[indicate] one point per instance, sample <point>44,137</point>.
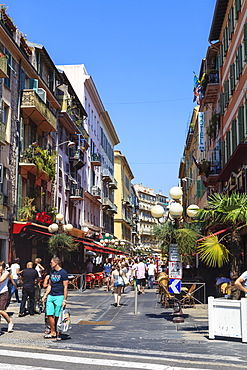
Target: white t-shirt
<point>151,269</point>
<point>244,277</point>
<point>14,267</point>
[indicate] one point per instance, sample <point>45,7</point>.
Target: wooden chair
<point>166,297</point>
<point>90,280</point>
<point>73,281</point>
<point>188,299</point>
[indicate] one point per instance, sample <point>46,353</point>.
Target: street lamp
<point>59,226</point>
<point>69,145</point>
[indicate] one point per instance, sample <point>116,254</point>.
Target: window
<point>239,61</point>
<point>228,144</point>
<point>226,93</point>
<point>200,189</point>
<point>220,57</point>
<point>237,7</point>
<point>234,134</point>
<point>9,68</point>
<point>245,42</point>
<point>232,77</point>
<point>231,22</point>
<point>225,41</point>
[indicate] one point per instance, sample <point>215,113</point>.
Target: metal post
<point>136,297</point>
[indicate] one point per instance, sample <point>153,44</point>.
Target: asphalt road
<point>108,337</point>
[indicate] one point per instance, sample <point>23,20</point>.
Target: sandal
<point>48,336</point>
<point>58,338</point>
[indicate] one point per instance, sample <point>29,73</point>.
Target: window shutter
<point>240,58</point>
<point>222,104</point>
<point>234,134</point>
<point>223,146</point>
<point>225,41</point>
<point>220,57</point>
<point>200,189</point>
<point>226,93</point>
<point>19,199</point>
<point>33,84</point>
<point>241,123</point>
<point>232,77</point>
<point>245,41</point>
<point>228,145</point>
<point>237,7</point>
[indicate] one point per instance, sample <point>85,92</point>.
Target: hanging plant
<point>214,125</point>
<point>60,243</point>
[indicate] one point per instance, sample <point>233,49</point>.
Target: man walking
<point>151,274</point>
<point>56,294</point>
<point>29,277</point>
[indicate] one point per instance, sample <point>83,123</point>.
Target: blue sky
<point>141,55</point>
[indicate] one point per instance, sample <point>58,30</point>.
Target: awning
<point>217,233</point>
<point>237,159</point>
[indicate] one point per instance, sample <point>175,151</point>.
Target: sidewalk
<point>94,316</point>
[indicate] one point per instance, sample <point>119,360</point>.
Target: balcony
<point>2,133</point>
<point>77,158</point>
<point>34,108</point>
<point>76,193</point>
<point>106,175</point>
<point>113,208</point>
<point>211,87</point>
<point>113,184</point>
<point>30,167</point>
<point>95,160</point>
<point>3,67</point>
<point>96,192</point>
<point>106,202</point>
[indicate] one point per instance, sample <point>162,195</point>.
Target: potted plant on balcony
<point>27,211</point>
<point>61,243</point>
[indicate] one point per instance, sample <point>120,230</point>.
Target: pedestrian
<point>56,295</point>
<point>4,294</point>
<point>151,274</point>
<point>117,283</point>
<point>107,274</point>
<point>29,277</point>
<point>15,269</point>
<point>39,268</point>
<point>141,276</point>
<point>241,282</point>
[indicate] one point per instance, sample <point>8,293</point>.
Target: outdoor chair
<point>99,277</point>
<point>90,280</point>
<point>166,297</point>
<point>188,299</point>
<point>73,282</point>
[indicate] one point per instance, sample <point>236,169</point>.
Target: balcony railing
<point>96,191</point>
<point>106,174</point>
<point>211,87</point>
<point>2,133</point>
<point>3,67</point>
<point>106,202</point>
<point>96,159</point>
<point>76,193</point>
<point>113,184</point>
<point>33,107</point>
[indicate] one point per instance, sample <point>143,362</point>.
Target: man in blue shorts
<point>56,294</point>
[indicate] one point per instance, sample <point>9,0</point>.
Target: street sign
<point>175,270</point>
<point>173,253</point>
<point>175,286</point>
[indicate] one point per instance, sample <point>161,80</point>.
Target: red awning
<point>217,233</point>
<point>237,159</point>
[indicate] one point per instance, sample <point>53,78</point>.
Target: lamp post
<point>174,213</point>
<point>59,227</point>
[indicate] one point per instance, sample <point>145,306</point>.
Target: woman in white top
<point>39,268</point>
<point>15,269</point>
<point>4,294</point>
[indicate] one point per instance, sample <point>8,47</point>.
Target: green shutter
<point>234,134</point>
<point>245,41</point>
<point>19,195</point>
<point>228,145</point>
<point>223,156</point>
<point>237,7</point>
<point>225,41</point>
<point>240,58</point>
<point>221,104</point>
<point>232,78</point>
<point>200,189</point>
<point>241,123</point>
<point>220,57</point>
<point>226,93</point>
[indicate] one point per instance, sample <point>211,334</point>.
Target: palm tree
<point>185,237</point>
<point>224,215</point>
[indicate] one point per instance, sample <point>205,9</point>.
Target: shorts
<point>141,282</point>
<point>54,305</point>
<point>4,300</point>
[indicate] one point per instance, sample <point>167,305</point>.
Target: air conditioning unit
<point>42,94</point>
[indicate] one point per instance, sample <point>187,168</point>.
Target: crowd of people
<point>54,298</point>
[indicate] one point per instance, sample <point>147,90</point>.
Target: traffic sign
<point>175,286</point>
<point>175,270</point>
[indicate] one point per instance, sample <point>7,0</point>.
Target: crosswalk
<point>56,360</point>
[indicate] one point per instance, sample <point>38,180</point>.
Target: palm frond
<point>212,252</point>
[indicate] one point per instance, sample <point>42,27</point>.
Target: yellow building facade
<point>122,198</point>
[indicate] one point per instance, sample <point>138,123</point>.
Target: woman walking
<point>4,294</point>
<point>117,283</point>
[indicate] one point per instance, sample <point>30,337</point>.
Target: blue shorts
<point>54,305</point>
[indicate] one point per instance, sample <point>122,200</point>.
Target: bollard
<point>177,312</point>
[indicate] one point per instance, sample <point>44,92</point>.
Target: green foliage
<point>212,252</point>
<point>27,211</point>
<point>185,237</point>
<point>60,243</point>
<point>41,158</point>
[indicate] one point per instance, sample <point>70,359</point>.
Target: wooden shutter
<point>232,77</point>
<point>234,134</point>
<point>241,123</point>
<point>245,41</point>
<point>237,7</point>
<point>228,145</point>
<point>220,57</point>
<point>223,154</point>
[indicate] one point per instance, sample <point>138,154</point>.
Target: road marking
<point>82,361</point>
<point>83,322</point>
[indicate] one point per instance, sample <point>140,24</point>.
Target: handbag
<point>19,282</point>
<point>126,280</point>
<point>64,321</point>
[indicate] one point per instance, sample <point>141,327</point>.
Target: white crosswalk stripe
<point>80,360</point>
